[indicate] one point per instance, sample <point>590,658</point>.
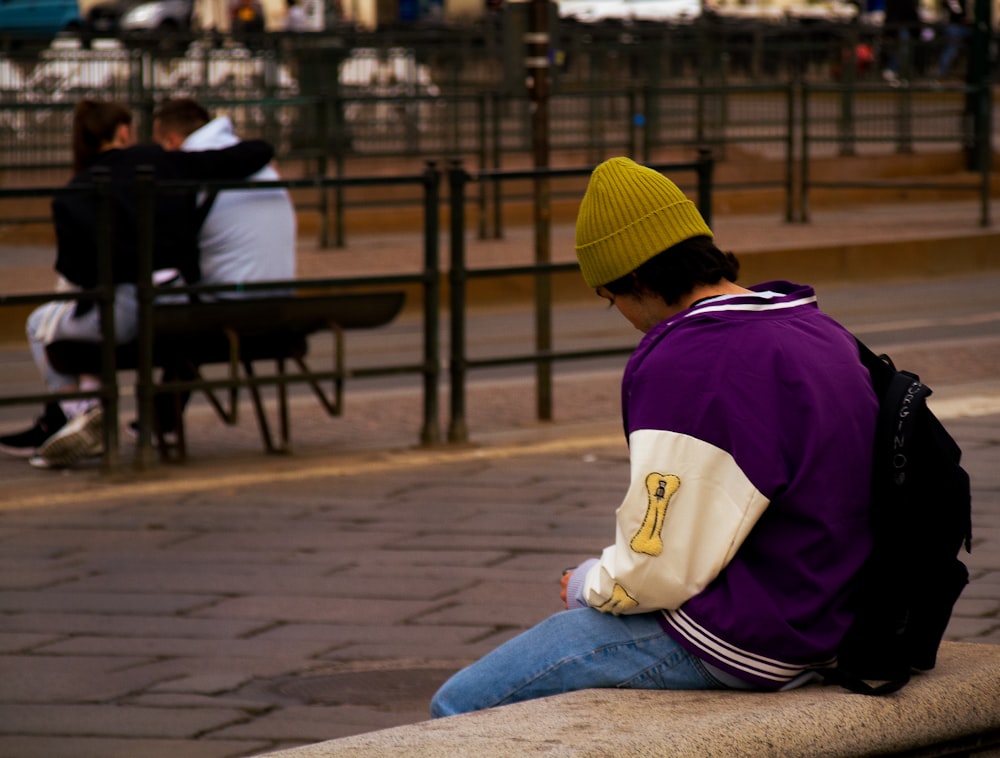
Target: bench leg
<point>167,451</point>
<point>189,371</point>
<point>283,403</point>
<point>333,405</point>
<point>261,413</point>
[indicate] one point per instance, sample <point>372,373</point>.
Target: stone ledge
<point>954,708</point>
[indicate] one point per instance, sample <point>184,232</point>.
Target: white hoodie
<point>249,235</point>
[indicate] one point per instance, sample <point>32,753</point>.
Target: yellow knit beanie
<point>628,215</point>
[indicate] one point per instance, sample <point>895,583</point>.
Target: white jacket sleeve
<point>687,510</point>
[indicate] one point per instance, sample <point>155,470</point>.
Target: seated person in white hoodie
<point>248,235</point>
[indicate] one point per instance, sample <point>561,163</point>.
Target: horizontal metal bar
<point>545,356</point>
<point>297,377</point>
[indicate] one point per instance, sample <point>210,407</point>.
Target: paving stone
<point>520,616</point>
<point>12,642</point>
<point>390,637</point>
<point>92,747</point>
<point>983,558</point>
<point>218,693</point>
<point>305,609</point>
<point>970,629</point>
<point>128,625</point>
<point>64,679</point>
<point>329,541</point>
<point>228,579</point>
<point>534,594</point>
<point>214,675</point>
<point>28,578</point>
<point>207,681</point>
<point>118,721</point>
<point>101,602</point>
<point>969,606</point>
<point>163,647</point>
<point>459,654</point>
<point>407,555</point>
<point>516,543</point>
<point>313,723</point>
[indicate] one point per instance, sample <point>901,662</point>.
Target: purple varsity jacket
<point>750,421</point>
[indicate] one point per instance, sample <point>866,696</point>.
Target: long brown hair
<point>94,124</point>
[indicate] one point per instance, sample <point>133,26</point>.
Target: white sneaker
<point>82,437</point>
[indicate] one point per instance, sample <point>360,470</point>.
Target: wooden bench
<point>240,333</point>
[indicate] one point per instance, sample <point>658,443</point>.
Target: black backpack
<point>921,516</point>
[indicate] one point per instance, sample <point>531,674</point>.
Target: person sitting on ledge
<point>750,422</point>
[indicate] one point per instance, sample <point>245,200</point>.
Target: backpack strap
<point>905,394</point>
<point>899,393</point>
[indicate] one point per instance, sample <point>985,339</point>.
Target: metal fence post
<point>342,140</point>
<point>145,203</point>
<point>706,165</point>
<point>495,164</point>
<point>848,78</point>
<point>985,150</point>
<point>537,65</point>
<point>106,304</point>
<point>791,91</point>
<point>635,120</point>
<point>650,122</point>
<point>457,278</point>
<point>431,433</point>
<point>323,124</point>
<point>804,156</point>
<point>482,103</point>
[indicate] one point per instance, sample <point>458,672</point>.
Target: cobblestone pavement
<point>243,603</point>
<point>236,608</point>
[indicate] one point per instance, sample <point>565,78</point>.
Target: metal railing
<point>848,118</point>
<point>541,270</point>
<point>327,99</point>
<point>428,278</point>
<point>793,126</point>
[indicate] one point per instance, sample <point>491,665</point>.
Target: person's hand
<point>565,582</point>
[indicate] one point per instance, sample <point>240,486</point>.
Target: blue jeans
<point>575,650</point>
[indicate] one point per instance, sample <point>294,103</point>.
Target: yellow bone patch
<point>619,602</point>
<point>660,488</point>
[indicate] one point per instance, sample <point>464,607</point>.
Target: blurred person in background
<point>246,235</point>
<point>71,430</point>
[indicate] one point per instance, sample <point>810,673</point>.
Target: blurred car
<point>593,11</point>
<point>38,19</point>
<point>158,15</point>
<point>104,18</point>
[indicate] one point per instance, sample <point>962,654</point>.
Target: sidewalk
<point>242,603</point>
<point>233,608</point>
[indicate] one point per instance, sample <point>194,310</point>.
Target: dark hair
<point>94,125</point>
<point>181,114</point>
<point>678,270</point>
